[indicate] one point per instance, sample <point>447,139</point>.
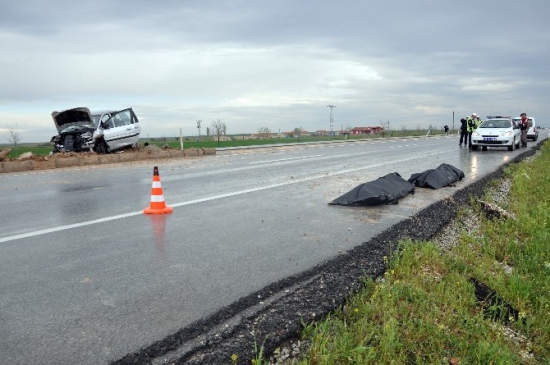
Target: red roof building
<point>367,130</point>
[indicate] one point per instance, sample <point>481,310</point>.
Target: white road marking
<point>285,159</point>
<point>202,200</point>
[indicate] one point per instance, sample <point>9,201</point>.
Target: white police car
<point>497,131</point>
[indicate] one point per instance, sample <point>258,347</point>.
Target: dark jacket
<point>463,125</point>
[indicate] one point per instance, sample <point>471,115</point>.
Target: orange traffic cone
<point>158,205</point>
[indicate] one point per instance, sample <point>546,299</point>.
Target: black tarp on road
<point>385,190</point>
<point>443,175</point>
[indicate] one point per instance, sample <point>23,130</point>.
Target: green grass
<point>425,310</point>
<point>37,149</point>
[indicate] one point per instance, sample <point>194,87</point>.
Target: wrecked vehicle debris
<point>102,132</point>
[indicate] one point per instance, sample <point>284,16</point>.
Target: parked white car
<point>533,131</point>
<point>497,132</point>
<point>81,130</point>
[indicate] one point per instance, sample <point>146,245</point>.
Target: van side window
<point>123,118</point>
<point>106,121</point>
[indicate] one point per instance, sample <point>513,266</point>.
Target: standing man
<point>524,128</point>
<point>446,129</point>
<point>472,123</point>
<point>463,131</point>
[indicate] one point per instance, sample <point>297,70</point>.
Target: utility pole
<point>199,128</point>
<point>331,133</point>
<point>453,121</point>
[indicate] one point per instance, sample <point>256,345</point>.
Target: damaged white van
<point>83,131</point>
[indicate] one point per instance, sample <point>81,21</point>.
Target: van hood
<point>73,117</point>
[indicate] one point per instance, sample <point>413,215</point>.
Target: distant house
<point>262,136</point>
<point>366,130</point>
<point>294,134</point>
<point>320,133</point>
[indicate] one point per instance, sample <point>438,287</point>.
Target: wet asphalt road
<point>86,278</point>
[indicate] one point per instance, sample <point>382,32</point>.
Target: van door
<point>122,130</point>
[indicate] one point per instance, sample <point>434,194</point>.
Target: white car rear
<point>533,131</point>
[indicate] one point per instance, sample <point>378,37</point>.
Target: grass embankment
<point>425,309</point>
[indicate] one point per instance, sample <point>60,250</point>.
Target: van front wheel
<point>101,147</point>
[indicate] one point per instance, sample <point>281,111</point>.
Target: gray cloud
<point>272,63</point>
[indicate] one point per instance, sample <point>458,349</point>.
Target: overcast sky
<point>275,64</point>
